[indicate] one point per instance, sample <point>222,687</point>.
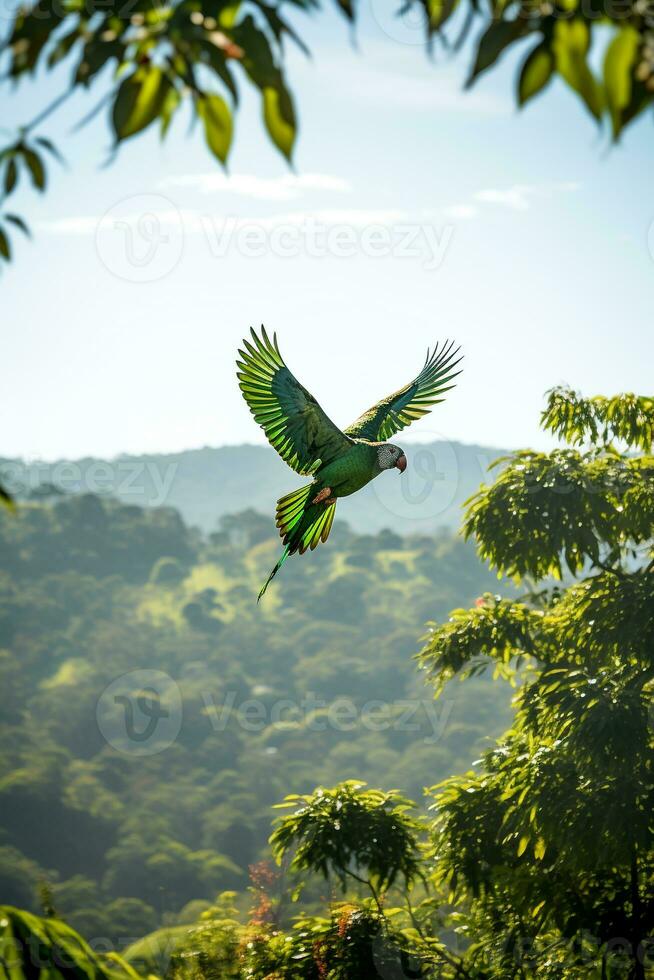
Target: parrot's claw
<point>323,495</point>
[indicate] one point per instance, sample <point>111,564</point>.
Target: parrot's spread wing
<point>292,419</point>
<point>400,409</point>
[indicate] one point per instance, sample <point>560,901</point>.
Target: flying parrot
<point>340,462</point>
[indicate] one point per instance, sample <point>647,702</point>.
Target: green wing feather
<point>403,407</point>
<point>292,419</point>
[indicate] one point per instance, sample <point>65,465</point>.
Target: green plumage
<point>340,462</point>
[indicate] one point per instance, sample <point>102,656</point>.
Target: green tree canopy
<point>548,847</point>
<point>351,830</point>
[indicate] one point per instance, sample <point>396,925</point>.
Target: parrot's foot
<point>323,495</point>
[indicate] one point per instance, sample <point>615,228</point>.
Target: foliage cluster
<point>145,62</point>
<point>49,948</point>
<point>547,848</point>
<point>317,685</point>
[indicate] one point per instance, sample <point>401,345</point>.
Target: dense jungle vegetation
<point>534,860</point>
<point>314,685</point>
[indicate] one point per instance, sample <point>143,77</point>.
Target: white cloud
<point>80,225</point>
<point>519,196</point>
<point>89,224</point>
<point>359,218</point>
<point>284,188</point>
<point>216,224</point>
<point>566,185</point>
<point>196,221</point>
<point>460,212</point>
<point>200,221</point>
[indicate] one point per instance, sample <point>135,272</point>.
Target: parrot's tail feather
<point>302,524</point>
<point>279,564</point>
<point>290,510</point>
<point>315,527</point>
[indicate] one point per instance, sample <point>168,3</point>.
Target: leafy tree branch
<point>150,62</point>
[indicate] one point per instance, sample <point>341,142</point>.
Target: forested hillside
<point>207,484</point>
<point>129,824</point>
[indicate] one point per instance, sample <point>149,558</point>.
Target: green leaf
<point>11,176</point>
<point>171,102</point>
<point>228,14</point>
<point>218,62</point>
<point>493,42</point>
<point>279,117</point>
<point>16,220</point>
<point>50,147</point>
<point>438,12</point>
<point>570,45</point>
<point>95,56</point>
<point>347,8</point>
<point>258,60</point>
<point>523,845</point>
<point>35,167</point>
<point>5,250</point>
<point>218,126</point>
<point>618,73</point>
<point>63,47</point>
<point>139,101</point>
<point>536,72</point>
<point>641,98</point>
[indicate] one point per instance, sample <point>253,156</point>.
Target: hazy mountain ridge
<point>205,484</point>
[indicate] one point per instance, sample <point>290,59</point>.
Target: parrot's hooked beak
<point>401,463</point>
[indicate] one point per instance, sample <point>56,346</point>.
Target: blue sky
<point>416,212</point>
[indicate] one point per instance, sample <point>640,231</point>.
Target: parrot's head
<point>389,457</point>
